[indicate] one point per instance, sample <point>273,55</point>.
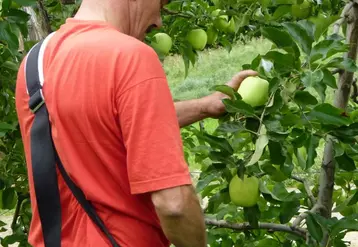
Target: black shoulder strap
<point>44,158</point>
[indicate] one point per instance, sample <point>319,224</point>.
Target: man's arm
<point>191,111</point>
<point>181,216</point>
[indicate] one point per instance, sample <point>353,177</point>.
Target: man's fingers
<point>239,77</point>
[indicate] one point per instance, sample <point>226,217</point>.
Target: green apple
<point>215,13</point>
<point>244,193</point>
<point>212,35</point>
<point>162,43</point>
<point>254,91</point>
<point>301,11</point>
<point>232,27</point>
<point>221,22</point>
<point>197,38</point>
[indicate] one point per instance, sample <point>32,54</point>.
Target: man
<point>116,130</point>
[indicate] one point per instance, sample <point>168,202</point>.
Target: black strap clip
<point>36,101</point>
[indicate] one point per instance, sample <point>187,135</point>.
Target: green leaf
<point>6,35</point>
<point>252,215</point>
<point>354,199</point>
<point>282,62</point>
<point>206,181</point>
<point>9,198</point>
<point>217,142</point>
<point>268,242</point>
<point>327,114</point>
<point>341,63</point>
<point>25,2</point>
<point>343,225</point>
<point>6,126</point>
<point>268,195</point>
<point>288,210</point>
<point>321,90</point>
<point>305,98</point>
<point>10,65</point>
<point>230,127</point>
<point>229,91</point>
<point>5,5</point>
<point>322,23</point>
<point>311,79</point>
<point>329,79</point>
<point>280,192</point>
<point>281,11</point>
<point>17,16</point>
<point>346,131</point>
<point>345,162</point>
<point>260,145</point>
<point>312,144</point>
<point>276,155</point>
<point>281,39</point>
<point>301,34</point>
<point>327,48</point>
<point>239,106</point>
<point>314,228</point>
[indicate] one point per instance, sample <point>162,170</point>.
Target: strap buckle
<point>36,101</point>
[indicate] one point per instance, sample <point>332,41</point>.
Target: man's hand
<point>212,105</point>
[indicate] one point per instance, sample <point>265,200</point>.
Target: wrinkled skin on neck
<point>132,17</point>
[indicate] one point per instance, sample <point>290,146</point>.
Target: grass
<point>214,67</point>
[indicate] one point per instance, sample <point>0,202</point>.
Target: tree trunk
<point>36,30</point>
<point>341,100</point>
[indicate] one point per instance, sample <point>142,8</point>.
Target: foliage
<point>285,132</point>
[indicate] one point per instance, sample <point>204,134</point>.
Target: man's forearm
<point>187,228</point>
<point>190,111</point>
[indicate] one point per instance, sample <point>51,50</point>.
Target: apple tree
<point>280,165</point>
<point>310,105</point>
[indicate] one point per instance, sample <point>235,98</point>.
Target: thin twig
<point>304,215</point>
<point>264,112</point>
<point>307,188</point>
<point>17,212</point>
<point>343,18</point>
<point>171,12</point>
<point>336,71</point>
<point>355,91</point>
<point>246,226</point>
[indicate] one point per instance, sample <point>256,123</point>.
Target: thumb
<point>239,77</point>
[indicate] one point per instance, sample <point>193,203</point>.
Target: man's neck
<point>104,10</point>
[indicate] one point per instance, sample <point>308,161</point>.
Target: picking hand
<point>213,105</point>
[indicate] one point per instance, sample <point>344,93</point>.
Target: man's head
<point>132,17</point>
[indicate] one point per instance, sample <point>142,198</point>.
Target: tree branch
<point>45,17</point>
<point>307,188</point>
<point>265,226</point>
<point>171,12</point>
<point>304,215</point>
<point>17,210</point>
<point>343,18</point>
<point>354,95</point>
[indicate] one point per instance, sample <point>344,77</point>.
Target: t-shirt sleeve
<point>151,135</point>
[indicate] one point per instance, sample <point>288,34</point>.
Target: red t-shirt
<point>116,131</point>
